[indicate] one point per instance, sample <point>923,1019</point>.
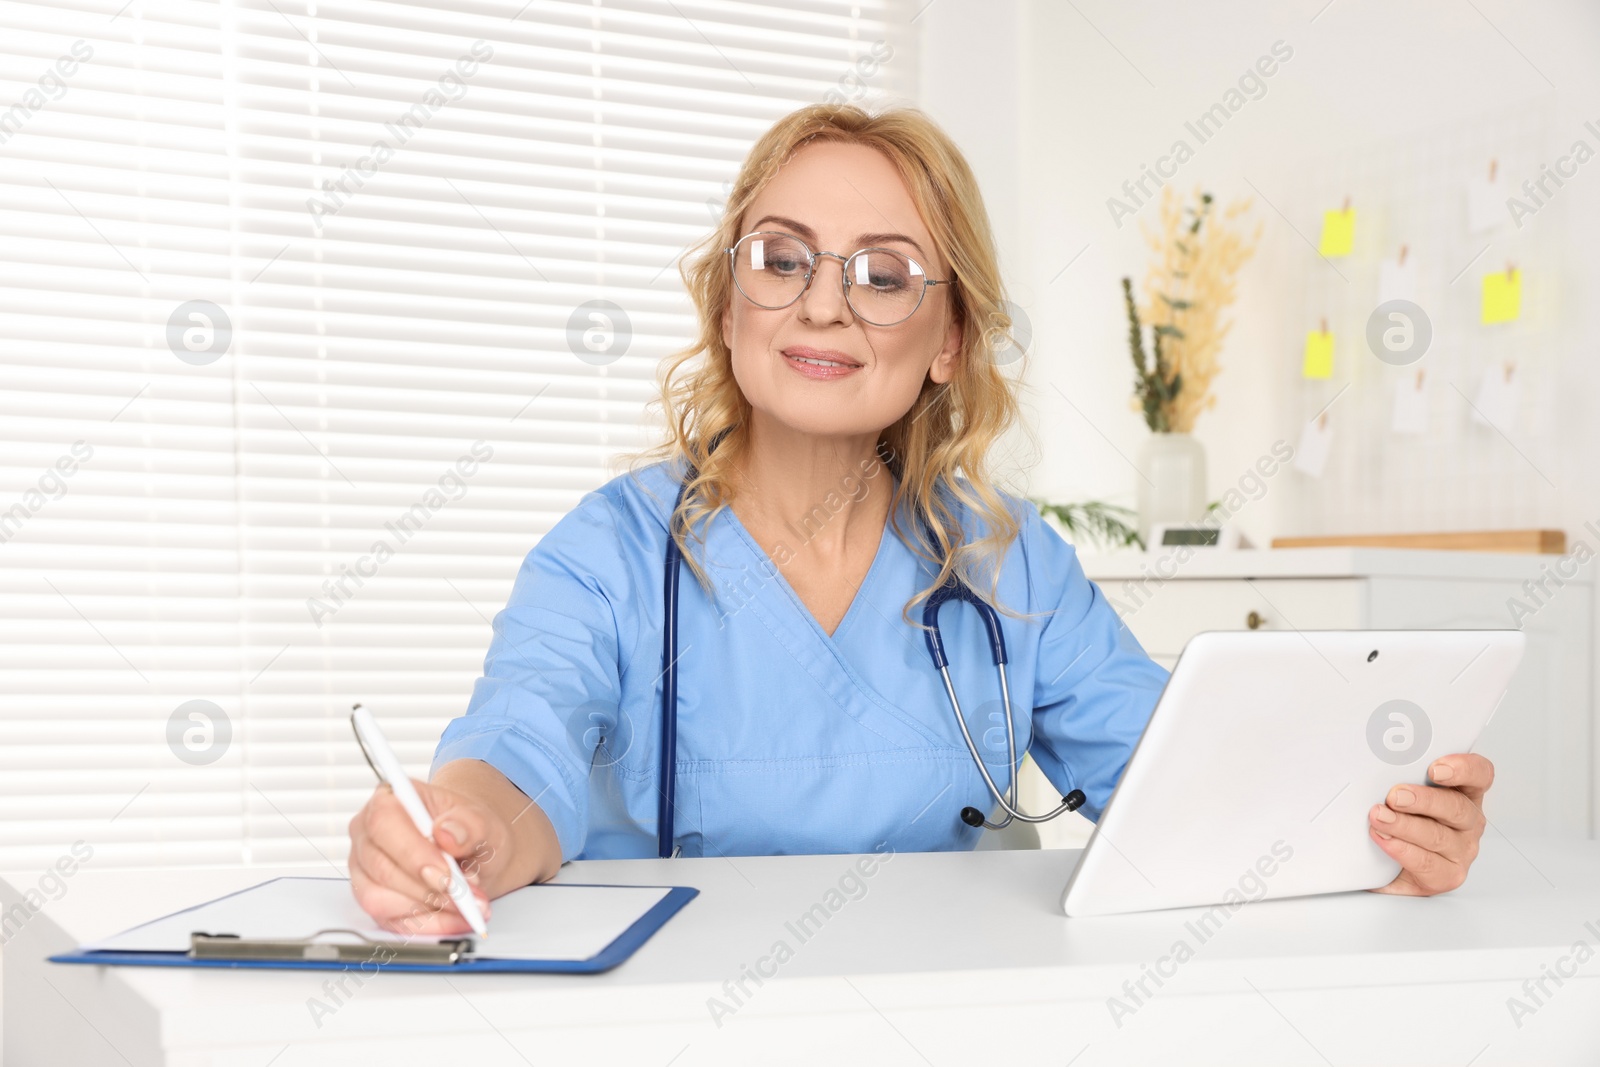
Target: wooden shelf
<point>1548,542</point>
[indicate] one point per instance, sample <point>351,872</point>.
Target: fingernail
<point>1381,834</point>
<point>1403,798</point>
<point>435,878</point>
<point>1442,772</point>
<point>454,830</point>
<point>1383,814</point>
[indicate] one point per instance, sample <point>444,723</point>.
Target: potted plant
<point>1188,285</point>
<point>1093,522</point>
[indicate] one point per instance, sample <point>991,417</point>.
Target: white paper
<point>1397,281</point>
<point>1410,406</point>
<point>1486,205</point>
<point>1496,402</point>
<point>549,921</point>
<point>1316,441</point>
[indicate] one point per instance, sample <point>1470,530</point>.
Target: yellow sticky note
<point>1319,355</point>
<point>1502,296</point>
<point>1338,232</point>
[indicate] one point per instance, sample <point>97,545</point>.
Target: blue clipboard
<point>619,949</point>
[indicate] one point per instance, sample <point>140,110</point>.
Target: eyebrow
<point>865,240</point>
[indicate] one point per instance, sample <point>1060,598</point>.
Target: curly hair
<point>939,449</point>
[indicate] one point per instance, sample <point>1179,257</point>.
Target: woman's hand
<point>1433,831</point>
<point>400,878</point>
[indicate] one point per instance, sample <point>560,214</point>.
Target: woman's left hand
<point>1433,831</point>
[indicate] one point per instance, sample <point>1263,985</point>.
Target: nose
<point>823,300</point>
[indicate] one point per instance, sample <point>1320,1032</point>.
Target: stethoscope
<point>953,590</point>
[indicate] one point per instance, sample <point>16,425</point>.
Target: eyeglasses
<point>882,286</point>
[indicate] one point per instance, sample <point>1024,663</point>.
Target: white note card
<point>548,921</point>
<point>1486,205</point>
<point>1397,280</point>
<point>1496,402</point>
<point>1316,441</point>
<point>1410,406</point>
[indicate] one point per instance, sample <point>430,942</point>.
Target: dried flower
<point>1193,282</point>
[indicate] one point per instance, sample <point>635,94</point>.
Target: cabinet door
<point>1163,616</point>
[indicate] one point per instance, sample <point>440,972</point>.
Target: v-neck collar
<point>824,658</point>
<point>856,601</point>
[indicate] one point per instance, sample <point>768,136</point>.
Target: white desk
<point>947,958</point>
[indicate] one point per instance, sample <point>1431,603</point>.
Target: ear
<point>727,324</point>
<point>943,367</point>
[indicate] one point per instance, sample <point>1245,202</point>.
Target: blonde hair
<point>939,448</point>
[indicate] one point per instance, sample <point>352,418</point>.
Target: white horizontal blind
<point>296,365</point>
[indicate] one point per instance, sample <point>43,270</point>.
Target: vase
<point>1173,486</point>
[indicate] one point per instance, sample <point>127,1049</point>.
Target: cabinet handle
<point>1254,620</point>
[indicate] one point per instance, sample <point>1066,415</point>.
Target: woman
<point>832,442</point>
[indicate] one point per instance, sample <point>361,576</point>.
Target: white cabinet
<point>1542,740</point>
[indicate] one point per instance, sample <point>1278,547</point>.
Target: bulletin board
<point>1473,459</point>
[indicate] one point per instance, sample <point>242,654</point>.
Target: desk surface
<point>922,936</point>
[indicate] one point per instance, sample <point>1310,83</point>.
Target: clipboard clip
<point>203,946</point>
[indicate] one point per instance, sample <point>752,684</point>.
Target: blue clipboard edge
<point>621,947</point>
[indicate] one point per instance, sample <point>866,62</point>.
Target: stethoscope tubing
<point>956,590</point>
<point>666,801</point>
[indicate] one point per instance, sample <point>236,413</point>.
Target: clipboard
<point>246,930</point>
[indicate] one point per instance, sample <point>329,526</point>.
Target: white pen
<point>388,767</point>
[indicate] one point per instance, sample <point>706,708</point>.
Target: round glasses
<point>882,286</point>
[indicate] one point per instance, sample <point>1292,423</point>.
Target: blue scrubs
<point>789,740</point>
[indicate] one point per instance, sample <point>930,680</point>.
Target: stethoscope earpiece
<point>1071,802</point>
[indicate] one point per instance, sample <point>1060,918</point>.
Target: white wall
<point>972,82</point>
<point>1089,93</point>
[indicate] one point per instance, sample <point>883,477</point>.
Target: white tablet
<point>1266,750</point>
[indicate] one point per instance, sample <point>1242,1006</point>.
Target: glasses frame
<point>844,275</point>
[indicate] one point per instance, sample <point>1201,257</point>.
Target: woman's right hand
<point>400,878</point>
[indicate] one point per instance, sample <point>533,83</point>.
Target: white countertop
<point>1326,563</point>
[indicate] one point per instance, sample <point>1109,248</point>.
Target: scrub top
<point>789,740</point>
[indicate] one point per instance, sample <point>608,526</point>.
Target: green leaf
<point>1096,521</point>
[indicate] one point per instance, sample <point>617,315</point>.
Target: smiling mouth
<point>823,360</point>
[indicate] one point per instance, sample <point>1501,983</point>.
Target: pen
<point>387,765</point>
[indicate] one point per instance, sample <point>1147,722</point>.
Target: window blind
<point>315,317</point>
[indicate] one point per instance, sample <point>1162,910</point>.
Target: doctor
<point>830,430</point>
